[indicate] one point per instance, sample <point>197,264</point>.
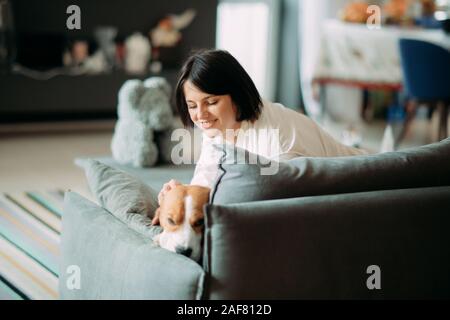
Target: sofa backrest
<point>417,167</point>
<point>328,247</point>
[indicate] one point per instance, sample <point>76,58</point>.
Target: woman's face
<point>211,113</point>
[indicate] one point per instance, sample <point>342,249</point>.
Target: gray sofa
<point>394,215</point>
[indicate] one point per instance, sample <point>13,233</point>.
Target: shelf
<point>84,96</point>
<point>90,96</point>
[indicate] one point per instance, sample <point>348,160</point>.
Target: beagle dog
<point>181,216</point>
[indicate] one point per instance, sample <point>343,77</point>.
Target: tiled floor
<point>45,160</point>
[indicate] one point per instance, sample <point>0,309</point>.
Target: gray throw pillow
<point>126,197</point>
<point>243,176</point>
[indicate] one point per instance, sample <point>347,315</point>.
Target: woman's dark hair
<point>217,72</point>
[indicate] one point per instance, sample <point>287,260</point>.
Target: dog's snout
<point>185,251</point>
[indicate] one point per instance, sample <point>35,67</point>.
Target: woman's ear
<point>155,220</point>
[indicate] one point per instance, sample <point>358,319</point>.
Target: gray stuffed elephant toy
<point>144,109</point>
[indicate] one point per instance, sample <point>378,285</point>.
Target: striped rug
<point>30,227</point>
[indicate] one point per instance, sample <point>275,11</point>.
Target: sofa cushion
<point>320,247</point>
<point>242,180</point>
<point>125,196</point>
<point>115,262</point>
<point>155,177</point>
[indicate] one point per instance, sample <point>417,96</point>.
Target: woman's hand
<point>166,188</point>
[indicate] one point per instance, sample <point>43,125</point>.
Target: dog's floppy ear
<point>155,220</point>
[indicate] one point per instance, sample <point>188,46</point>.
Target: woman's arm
<point>206,169</point>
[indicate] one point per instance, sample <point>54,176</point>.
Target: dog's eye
<point>170,221</point>
<point>199,223</point>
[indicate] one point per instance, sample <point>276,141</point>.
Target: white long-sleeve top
<point>278,134</point>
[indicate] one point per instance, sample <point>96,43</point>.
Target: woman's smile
<point>206,124</point>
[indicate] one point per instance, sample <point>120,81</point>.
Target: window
<point>248,29</point>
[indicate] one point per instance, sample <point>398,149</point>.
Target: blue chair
<point>426,75</point>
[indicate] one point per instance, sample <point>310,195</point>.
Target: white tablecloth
<point>353,52</point>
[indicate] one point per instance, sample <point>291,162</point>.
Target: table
<point>352,54</point>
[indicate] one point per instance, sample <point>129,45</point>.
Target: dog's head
<point>181,217</point>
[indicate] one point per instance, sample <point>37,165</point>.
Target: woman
<point>216,94</point>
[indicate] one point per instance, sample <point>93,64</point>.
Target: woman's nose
<point>202,112</point>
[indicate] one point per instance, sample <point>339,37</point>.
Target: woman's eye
<point>192,107</point>
<point>170,221</point>
<point>211,102</point>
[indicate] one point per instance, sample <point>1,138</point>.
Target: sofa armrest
<point>321,247</point>
<point>115,262</point>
